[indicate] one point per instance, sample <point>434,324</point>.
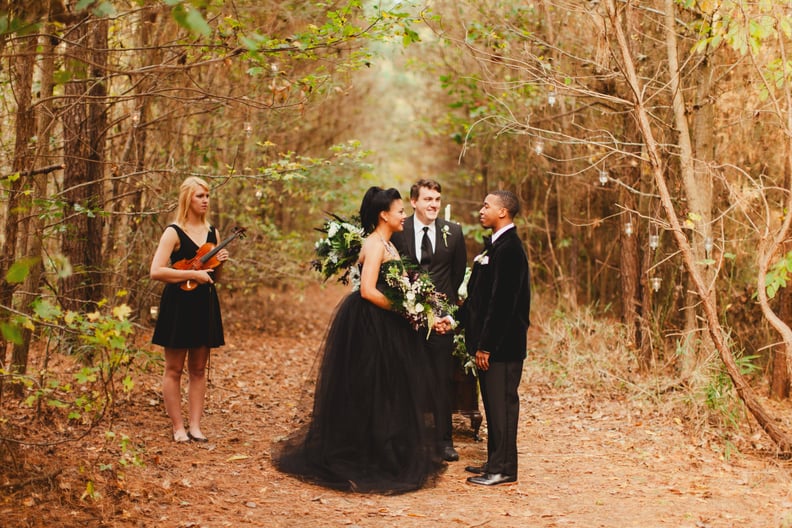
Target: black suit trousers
<point>502,408</point>
<point>438,348</point>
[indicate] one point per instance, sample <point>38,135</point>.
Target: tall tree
<point>84,128</point>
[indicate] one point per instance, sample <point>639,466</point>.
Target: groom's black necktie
<point>426,248</point>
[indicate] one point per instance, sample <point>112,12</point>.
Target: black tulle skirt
<point>372,427</point>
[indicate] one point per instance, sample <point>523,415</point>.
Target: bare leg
<point>171,390</point>
<point>196,365</point>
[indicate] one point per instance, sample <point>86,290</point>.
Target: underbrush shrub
<point>68,393</point>
<point>586,351</point>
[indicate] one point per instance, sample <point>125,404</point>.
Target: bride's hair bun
<point>374,202</point>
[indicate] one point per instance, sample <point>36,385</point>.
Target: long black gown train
<point>372,428</point>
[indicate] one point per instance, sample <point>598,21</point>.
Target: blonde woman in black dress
<point>189,324</point>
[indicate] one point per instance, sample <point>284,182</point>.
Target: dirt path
<point>584,462</point>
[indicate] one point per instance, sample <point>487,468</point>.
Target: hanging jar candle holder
<point>135,118</point>
<point>628,229</point>
<point>708,245</point>
<point>655,283</point>
<point>654,241</point>
<point>248,128</point>
<point>551,98</point>
<point>539,147</point>
<point>603,176</point>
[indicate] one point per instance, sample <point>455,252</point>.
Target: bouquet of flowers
<point>338,252</point>
<point>414,296</point>
<point>460,352</point>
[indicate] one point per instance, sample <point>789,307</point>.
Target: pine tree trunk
<point>84,123</point>
<point>22,81</point>
<point>35,236</point>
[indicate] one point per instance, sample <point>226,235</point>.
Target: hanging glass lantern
<point>248,128</point>
<point>628,229</point>
<point>551,98</point>
<point>655,283</point>
<point>603,177</point>
<point>654,241</point>
<point>539,147</point>
<point>708,244</point>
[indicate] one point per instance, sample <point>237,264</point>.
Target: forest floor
<point>586,459</point>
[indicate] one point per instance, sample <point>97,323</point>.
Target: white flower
<point>462,292</point>
<point>446,232</point>
<point>419,308</point>
<point>332,229</point>
<point>354,277</point>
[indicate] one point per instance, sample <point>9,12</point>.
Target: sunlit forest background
<point>650,144</point>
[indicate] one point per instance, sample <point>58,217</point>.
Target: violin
<point>205,259</point>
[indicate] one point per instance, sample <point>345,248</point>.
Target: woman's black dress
<point>372,428</point>
<point>189,319</point>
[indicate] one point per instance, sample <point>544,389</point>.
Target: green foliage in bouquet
<point>337,253</point>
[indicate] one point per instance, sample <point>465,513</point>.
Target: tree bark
<point>779,369</point>
<point>25,129</point>
<point>630,263</point>
<point>38,179</point>
<point>84,124</point>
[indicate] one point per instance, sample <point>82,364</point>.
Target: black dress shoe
<point>199,439</point>
<point>478,470</point>
<point>492,479</point>
<point>450,454</point>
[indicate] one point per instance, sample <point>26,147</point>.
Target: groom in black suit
<point>439,247</point>
<point>495,318</point>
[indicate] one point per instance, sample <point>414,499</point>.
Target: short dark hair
<point>374,202</point>
<point>508,201</point>
<point>432,185</point>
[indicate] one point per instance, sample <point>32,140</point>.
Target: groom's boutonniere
<point>446,232</point>
<point>482,258</point>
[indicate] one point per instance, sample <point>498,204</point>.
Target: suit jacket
<point>449,261</point>
<point>495,314</point>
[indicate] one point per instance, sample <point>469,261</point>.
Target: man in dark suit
<point>495,318</point>
<point>439,247</point>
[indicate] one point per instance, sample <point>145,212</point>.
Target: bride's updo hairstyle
<point>375,201</point>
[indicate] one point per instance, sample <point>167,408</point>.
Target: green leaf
<point>11,333</point>
<point>62,76</point>
<point>85,375</point>
<point>82,5</point>
<point>19,270</point>
<point>195,22</point>
<point>104,9</point>
<point>251,45</point>
<point>46,310</point>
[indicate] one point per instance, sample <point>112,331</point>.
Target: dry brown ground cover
<point>588,459</point>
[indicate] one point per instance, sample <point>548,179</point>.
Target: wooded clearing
<point>650,144</point>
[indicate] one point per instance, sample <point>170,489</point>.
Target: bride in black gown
<point>371,429</point>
